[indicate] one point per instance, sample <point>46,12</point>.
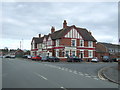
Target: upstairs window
<point>73,43</point>
<point>90,44</point>
<point>81,43</point>
<point>57,42</point>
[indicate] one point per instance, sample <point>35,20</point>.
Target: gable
<point>44,40</point>
<point>73,33</point>
<point>49,39</point>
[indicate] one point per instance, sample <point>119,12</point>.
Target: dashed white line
<point>96,78</point>
<point>62,68</point>
<point>70,70</point>
<point>88,76</point>
<point>81,74</point>
<point>41,76</point>
<point>75,72</point>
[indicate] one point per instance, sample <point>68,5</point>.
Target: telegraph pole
<point>20,44</point>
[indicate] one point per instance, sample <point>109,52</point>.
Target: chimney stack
<point>52,29</point>
<point>39,35</point>
<point>90,32</point>
<point>64,24</point>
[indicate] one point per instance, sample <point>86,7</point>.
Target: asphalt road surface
<point>23,73</point>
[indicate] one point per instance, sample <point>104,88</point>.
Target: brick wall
<point>78,42</point>
<point>86,53</point>
<point>65,42</point>
<point>86,43</point>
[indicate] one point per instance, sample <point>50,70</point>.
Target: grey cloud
<point>37,17</point>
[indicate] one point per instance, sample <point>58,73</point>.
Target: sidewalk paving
<point>112,74</point>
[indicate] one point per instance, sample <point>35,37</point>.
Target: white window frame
<point>90,43</point>
<point>68,53</point>
<point>71,42</point>
<point>82,41</point>
<point>90,52</point>
<point>72,53</point>
<point>57,42</point>
<point>57,53</point>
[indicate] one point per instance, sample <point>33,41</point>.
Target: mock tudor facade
<point>68,41</point>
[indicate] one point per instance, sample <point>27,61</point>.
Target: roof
<point>109,45</point>
<point>62,32</point>
<point>83,32</point>
<point>37,39</point>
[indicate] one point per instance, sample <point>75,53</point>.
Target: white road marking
<point>96,78</point>
<point>66,69</point>
<point>70,70</point>
<point>63,88</point>
<point>88,76</point>
<point>59,68</point>
<point>81,74</point>
<point>41,76</point>
<point>75,72</point>
<point>62,68</point>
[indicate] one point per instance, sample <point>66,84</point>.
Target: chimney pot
<point>64,24</point>
<point>39,35</point>
<point>52,29</point>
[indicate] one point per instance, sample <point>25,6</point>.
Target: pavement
<point>111,73</point>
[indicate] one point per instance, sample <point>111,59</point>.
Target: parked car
<point>44,58</point>
<point>1,56</point>
<point>27,56</point>
<point>37,58</point>
<point>24,56</point>
<point>12,56</point>
<point>53,59</point>
<point>116,59</point>
<point>74,59</point>
<point>106,59</point>
<point>95,59</point>
<point>7,56</point>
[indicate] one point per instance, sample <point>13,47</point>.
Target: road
<point>23,73</point>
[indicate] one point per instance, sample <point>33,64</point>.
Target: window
<point>81,43</point>
<point>57,53</point>
<point>90,44</point>
<point>49,43</point>
<point>67,53</point>
<point>73,53</point>
<point>73,43</point>
<point>57,42</point>
<point>90,54</point>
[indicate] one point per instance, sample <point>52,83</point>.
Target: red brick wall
<point>94,44</point>
<point>86,53</point>
<point>53,43</point>
<point>77,53</point>
<point>94,53</point>
<point>65,42</point>
<point>86,43</point>
<point>78,42</point>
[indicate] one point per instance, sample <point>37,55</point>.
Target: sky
<point>21,21</point>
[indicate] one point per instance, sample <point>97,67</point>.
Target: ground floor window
<point>90,53</point>
<point>57,53</point>
<point>73,53</point>
<point>67,53</point>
